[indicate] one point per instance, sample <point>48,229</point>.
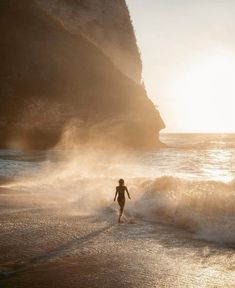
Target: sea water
<point>189,183</point>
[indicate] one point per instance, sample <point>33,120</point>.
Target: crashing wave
<point>206,208</point>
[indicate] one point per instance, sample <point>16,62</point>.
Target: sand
<point>44,243</point>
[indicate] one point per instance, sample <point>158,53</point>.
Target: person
<point>120,195</point>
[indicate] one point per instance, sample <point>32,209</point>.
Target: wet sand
<point>44,243</point>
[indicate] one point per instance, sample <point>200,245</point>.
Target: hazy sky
<point>188,53</point>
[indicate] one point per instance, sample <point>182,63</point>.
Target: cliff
<point>72,66</point>
<point>106,23</point>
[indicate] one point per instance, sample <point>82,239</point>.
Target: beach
<point>59,225</point>
<point>55,247</point>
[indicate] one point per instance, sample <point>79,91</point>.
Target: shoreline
<point>54,245</point>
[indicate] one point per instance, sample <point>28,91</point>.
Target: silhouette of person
<point>120,192</point>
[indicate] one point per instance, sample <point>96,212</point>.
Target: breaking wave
<point>206,208</point>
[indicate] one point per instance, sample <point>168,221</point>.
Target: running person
<point>120,192</point>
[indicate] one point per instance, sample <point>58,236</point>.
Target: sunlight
<point>204,90</point>
<point>217,166</point>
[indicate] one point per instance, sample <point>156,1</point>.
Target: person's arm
<point>128,193</point>
<point>115,194</point>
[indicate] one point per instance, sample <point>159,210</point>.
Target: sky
<point>188,53</point>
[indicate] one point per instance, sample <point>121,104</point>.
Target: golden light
<point>204,92</point>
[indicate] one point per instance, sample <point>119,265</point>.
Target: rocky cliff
<point>72,67</point>
<point>105,23</point>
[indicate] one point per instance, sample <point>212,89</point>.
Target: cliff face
<point>106,23</point>
<point>72,63</point>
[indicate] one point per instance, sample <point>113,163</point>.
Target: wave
<point>206,208</point>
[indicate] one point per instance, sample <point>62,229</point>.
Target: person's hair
<point>121,181</point>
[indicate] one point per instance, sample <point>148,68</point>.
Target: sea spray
<point>87,179</point>
<point>206,208</point>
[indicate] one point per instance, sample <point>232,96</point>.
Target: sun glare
<point>204,91</point>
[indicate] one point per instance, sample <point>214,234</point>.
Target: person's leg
<point>121,203</point>
<point>120,213</point>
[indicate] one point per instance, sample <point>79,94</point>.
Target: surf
<point>206,208</point>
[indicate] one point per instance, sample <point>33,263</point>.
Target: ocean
<point>189,184</point>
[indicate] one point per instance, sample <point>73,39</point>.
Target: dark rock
<point>52,76</point>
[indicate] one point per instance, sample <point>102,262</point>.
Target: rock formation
<point>72,66</point>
